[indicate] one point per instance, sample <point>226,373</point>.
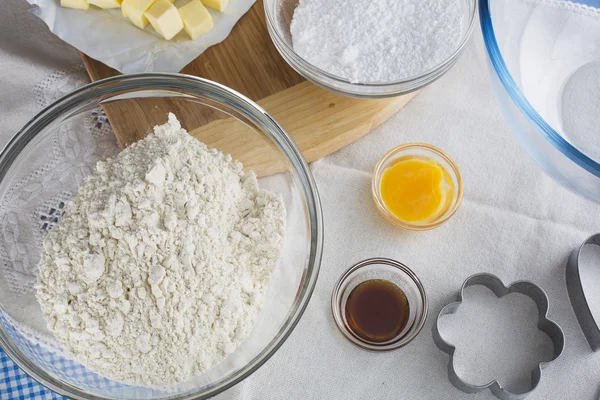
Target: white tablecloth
<point>514,222</point>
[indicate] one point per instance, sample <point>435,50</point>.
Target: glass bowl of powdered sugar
<point>162,236</point>
<point>370,49</point>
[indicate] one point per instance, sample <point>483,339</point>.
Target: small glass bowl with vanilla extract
<point>379,304</point>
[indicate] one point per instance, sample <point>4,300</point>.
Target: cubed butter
<point>196,19</point>
<point>106,3</point>
<point>164,18</point>
<point>216,4</point>
<point>80,4</point>
<point>135,9</point>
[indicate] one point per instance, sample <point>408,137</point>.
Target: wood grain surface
<point>320,122</point>
<point>246,61</point>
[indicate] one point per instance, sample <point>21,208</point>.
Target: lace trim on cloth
<point>566,5</point>
<point>39,193</point>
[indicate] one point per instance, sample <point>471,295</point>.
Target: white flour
<point>376,41</point>
<point>158,269</point>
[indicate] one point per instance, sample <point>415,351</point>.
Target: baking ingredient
<point>165,19</point>
<point>196,19</point>
<point>158,269</point>
<point>376,41</point>
<point>377,310</point>
<point>80,4</point>
<point>106,4</point>
<point>416,189</point>
<point>216,4</point>
<point>135,10</point>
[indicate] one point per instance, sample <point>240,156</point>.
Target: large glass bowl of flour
<point>50,157</point>
<point>370,49</point>
<point>544,62</point>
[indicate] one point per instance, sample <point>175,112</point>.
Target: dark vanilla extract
<point>377,310</point>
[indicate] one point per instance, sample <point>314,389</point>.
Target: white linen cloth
<point>514,222</point>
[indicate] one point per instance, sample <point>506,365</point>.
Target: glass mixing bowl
<point>279,15</point>
<point>544,62</point>
<point>45,162</point>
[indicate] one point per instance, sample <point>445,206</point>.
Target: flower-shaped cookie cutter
<point>544,324</point>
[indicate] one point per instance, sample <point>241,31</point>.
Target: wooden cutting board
<point>320,122</point>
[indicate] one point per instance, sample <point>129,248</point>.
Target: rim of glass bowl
<point>396,88</point>
<point>521,101</point>
<point>186,84</point>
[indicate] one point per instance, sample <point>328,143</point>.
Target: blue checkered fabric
<point>62,367</point>
<point>58,365</point>
<point>17,385</point>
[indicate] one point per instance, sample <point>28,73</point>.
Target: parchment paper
<point>107,36</point>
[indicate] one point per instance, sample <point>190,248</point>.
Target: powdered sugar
<point>376,41</point>
<point>158,269</point>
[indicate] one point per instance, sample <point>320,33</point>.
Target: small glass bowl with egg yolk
<point>417,186</point>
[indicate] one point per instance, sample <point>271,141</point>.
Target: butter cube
<point>135,9</point>
<point>125,14</point>
<point>216,4</point>
<point>165,19</point>
<point>106,3</point>
<point>196,19</point>
<point>80,4</point>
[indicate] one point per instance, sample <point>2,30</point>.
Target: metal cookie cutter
<point>582,310</point>
<point>547,326</point>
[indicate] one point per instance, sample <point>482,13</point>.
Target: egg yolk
<point>416,190</point>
